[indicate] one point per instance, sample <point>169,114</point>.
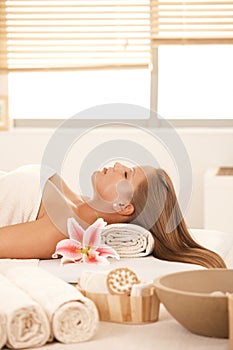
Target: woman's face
<point>117,183</point>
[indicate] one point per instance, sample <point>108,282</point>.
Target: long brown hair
<point>157,209</point>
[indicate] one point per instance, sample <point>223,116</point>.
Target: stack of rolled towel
<point>37,307</point>
<point>2,331</point>
<point>129,240</point>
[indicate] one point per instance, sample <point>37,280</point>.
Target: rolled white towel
<point>2,330</point>
<point>8,263</point>
<point>73,317</point>
<point>94,281</point>
<point>142,289</point>
<point>129,240</point>
<point>26,323</point>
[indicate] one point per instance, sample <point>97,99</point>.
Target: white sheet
<point>146,268</point>
<point>218,241</point>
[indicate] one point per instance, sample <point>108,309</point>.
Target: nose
<point>117,166</point>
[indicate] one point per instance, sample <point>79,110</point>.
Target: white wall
<point>206,148</point>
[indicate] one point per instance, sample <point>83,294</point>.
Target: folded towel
<point>2,330</point>
<point>73,317</point>
<point>26,322</point>
<point>129,240</point>
<point>143,289</point>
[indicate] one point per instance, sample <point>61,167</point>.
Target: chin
<point>94,178</point>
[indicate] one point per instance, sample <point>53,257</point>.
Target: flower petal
<point>75,231</point>
<point>65,260</point>
<point>95,258</point>
<point>68,249</point>
<point>104,250</point>
<point>92,236</point>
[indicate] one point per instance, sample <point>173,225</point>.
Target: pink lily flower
<point>84,245</point>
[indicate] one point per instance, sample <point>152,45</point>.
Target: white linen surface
<point>218,241</point>
<point>26,322</point>
<point>146,268</point>
<point>73,318</point>
<point>128,240</point>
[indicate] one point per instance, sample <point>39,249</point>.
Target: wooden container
<point>126,309</point>
<point>230,320</point>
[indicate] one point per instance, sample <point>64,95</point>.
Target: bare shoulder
<point>56,207</point>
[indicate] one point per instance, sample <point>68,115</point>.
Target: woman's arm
<point>36,239</point>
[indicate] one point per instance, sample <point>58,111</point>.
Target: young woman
<point>34,212</point>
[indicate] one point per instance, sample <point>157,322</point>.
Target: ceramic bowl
<point>188,298</point>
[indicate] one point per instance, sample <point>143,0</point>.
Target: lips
<point>105,170</point>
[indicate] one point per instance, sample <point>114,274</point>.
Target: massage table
<point>165,334</point>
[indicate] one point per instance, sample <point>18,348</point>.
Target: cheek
<point>103,187</point>
<point>125,190</point>
<point>106,191</point>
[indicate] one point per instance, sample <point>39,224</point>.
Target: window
<point>194,68</point>
<point>195,82</point>
<point>63,56</point>
<point>59,95</point>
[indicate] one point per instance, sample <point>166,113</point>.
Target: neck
<point>88,212</point>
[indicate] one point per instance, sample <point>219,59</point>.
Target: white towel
<point>26,322</point>
<point>21,192</point>
<point>2,173</point>
<point>73,317</point>
<point>94,281</point>
<point>8,263</point>
<point>129,240</point>
<point>2,330</point>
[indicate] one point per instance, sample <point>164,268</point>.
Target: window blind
<point>74,34</point>
<point>192,22</point>
<point>91,34</point>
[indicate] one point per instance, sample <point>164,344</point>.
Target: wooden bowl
<point>186,295</point>
<point>126,309</point>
